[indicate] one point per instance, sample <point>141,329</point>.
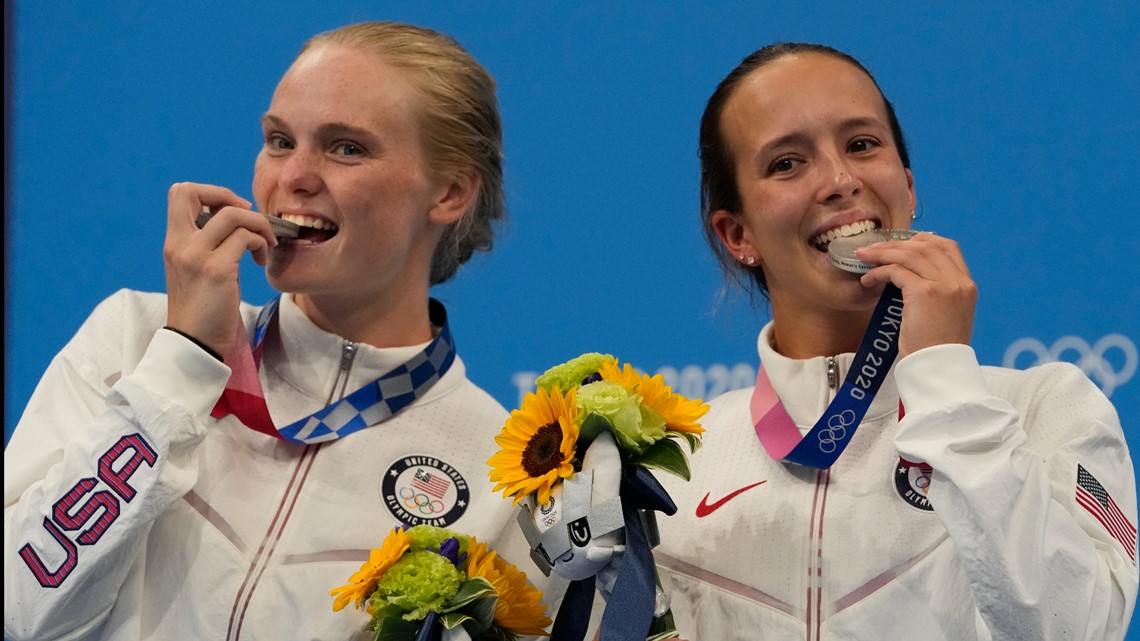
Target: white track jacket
<point>149,519</point>
<point>990,540</point>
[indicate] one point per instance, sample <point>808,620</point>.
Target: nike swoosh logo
<point>705,508</point>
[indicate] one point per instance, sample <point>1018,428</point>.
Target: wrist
<point>209,350</point>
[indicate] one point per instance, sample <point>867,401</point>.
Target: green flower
<point>636,426</point>
<point>417,584</point>
<point>429,537</point>
<point>571,373</point>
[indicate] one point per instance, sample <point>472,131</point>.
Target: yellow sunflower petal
<point>519,606</point>
<point>540,411</point>
<point>625,376</point>
<point>362,583</point>
<point>681,414</point>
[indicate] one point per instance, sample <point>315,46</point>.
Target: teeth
<point>309,221</point>
<point>844,231</point>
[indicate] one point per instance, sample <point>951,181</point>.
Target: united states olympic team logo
<point>421,490</point>
<point>1110,362</point>
<point>912,482</point>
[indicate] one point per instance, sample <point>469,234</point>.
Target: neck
<point>378,321</point>
<point>798,335</point>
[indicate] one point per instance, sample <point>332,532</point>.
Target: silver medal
<point>841,251</point>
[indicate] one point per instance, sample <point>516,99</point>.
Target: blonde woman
<point>195,467</point>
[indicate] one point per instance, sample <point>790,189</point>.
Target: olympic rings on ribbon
<point>836,430</point>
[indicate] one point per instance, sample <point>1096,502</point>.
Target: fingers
<point>926,255</point>
<point>202,265</point>
<point>939,296</point>
<point>184,201</point>
<point>230,220</point>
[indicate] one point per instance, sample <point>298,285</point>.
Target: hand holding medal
<point>939,296</point>
<point>918,270</point>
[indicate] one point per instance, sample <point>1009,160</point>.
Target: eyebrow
<point>326,130</point>
<point>797,137</point>
<point>856,123</point>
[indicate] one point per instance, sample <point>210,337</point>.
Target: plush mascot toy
<point>580,532</point>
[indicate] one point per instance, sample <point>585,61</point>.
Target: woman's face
<point>813,152</point>
<point>343,152</point>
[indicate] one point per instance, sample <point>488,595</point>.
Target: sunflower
<point>536,445</point>
<point>680,413</point>
<point>362,584</point>
<point>519,606</point>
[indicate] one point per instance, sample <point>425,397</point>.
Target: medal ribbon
<point>629,607</point>
<point>369,405</point>
<point>823,444</point>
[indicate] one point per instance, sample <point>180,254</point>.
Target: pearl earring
<point>913,216</point>
<point>751,260</point>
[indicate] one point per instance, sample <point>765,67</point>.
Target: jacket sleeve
<point>104,446</point>
<point>1006,451</point>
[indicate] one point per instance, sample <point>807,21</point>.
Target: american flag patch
<point>437,486</point>
<point>1092,496</point>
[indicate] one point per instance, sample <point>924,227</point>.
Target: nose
<point>839,180</point>
<point>300,172</point>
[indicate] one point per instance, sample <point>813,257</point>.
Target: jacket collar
<point>802,384</point>
<point>309,358</point>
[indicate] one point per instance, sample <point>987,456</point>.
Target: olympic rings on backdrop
<point>1091,359</point>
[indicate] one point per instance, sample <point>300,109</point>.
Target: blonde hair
<point>459,121</point>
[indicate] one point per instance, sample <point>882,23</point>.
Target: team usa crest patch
<point>423,490</point>
<point>912,483</point>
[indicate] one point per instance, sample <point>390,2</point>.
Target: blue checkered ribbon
<point>378,400</point>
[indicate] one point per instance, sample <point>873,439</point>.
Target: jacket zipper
<point>292,492</point>
<point>816,561</point>
<point>347,356</point>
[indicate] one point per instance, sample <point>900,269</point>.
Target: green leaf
<point>469,590</point>
<point>482,611</point>
<point>389,611</point>
<point>662,627</point>
<point>452,619</point>
<point>593,425</point>
<point>694,440</point>
<point>397,630</point>
<point>666,455</point>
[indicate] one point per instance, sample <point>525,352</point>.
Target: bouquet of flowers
<point>576,455</point>
<point>427,582</point>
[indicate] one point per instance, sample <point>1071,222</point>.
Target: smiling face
<point>813,151</point>
<point>343,155</point>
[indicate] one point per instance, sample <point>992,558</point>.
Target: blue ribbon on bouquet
<point>629,616</point>
<point>431,629</point>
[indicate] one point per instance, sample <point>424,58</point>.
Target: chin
<point>282,282</point>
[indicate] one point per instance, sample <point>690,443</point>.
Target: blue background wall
<point>1024,126</point>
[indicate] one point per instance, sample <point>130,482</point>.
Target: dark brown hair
<point>718,168</point>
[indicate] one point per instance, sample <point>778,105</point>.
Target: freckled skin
<point>371,180</point>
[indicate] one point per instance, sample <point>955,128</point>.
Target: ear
<point>910,187</point>
<point>456,197</point>
<point>734,235</point>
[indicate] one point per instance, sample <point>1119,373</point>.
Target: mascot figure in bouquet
<point>576,456</point>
